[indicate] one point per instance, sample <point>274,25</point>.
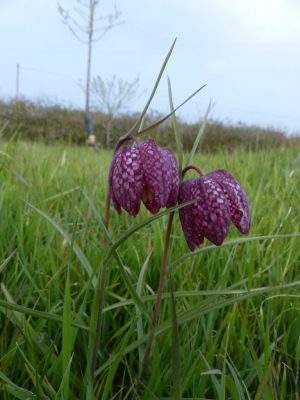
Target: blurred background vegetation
<point>52,123</point>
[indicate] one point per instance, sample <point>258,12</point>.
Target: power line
<point>33,69</point>
<point>218,108</point>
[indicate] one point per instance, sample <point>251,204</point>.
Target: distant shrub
<point>54,123</point>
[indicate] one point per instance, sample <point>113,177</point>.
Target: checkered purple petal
<point>190,225</point>
<point>240,212</point>
<point>209,216</point>
<point>212,209</point>
<point>160,174</point>
<point>126,181</point>
<point>172,176</point>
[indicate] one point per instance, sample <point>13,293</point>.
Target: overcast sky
<point>246,51</point>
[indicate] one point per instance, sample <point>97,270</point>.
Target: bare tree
<point>113,97</point>
<point>88,28</point>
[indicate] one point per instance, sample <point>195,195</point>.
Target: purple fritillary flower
<point>146,172</point>
<point>220,200</point>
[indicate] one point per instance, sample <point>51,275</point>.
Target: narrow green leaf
<point>12,388</point>
<point>212,373</point>
<point>64,382</point>
<point>121,266</point>
<point>35,376</point>
<point>98,216</point>
<point>6,261</point>
<point>199,135</point>
<point>77,250</point>
<point>139,289</point>
<point>38,314</point>
<point>17,318</point>
<point>114,366</point>
<point>88,378</point>
<point>176,364</point>
<point>222,393</point>
<point>99,301</point>
<point>198,311</point>
<point>175,128</point>
<point>140,225</point>
<point>32,373</point>
<point>261,390</point>
<point>159,122</point>
<point>67,337</point>
<point>62,194</point>
<point>239,383</point>
<point>234,242</point>
<point>139,121</point>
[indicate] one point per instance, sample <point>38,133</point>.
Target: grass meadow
<point>236,331</point>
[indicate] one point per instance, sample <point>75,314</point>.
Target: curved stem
<point>163,270</point>
<point>192,166</point>
<point>124,139</point>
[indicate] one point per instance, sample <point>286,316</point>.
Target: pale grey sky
<point>246,51</point>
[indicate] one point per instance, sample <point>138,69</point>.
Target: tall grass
<point>237,306</point>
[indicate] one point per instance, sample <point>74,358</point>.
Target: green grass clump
<point>237,306</point>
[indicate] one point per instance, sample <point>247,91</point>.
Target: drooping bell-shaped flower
<point>219,201</point>
<point>143,172</point>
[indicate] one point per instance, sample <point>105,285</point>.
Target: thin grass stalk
<point>101,288</point>
<point>163,271</point>
<point>176,364</point>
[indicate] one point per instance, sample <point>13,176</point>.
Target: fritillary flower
<point>220,200</point>
<point>143,172</point>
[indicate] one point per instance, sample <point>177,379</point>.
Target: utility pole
<point>18,82</point>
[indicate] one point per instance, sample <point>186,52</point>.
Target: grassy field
<point>237,306</point>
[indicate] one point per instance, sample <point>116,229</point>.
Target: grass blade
<point>6,261</point>
<point>222,394</point>
<point>198,311</point>
<point>15,390</point>
<point>139,327</point>
<point>112,251</point>
<point>74,246</point>
<point>140,225</point>
<point>176,364</point>
<point>234,242</point>
<point>38,314</point>
<point>114,366</point>
<point>67,338</point>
